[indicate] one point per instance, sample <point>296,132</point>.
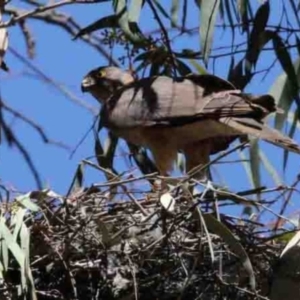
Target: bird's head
<point>102,82</point>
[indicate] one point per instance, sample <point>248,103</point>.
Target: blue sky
<point>67,61</point>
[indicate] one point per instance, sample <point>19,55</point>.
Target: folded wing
<point>163,101</point>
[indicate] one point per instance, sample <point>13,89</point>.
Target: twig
<point>13,140</point>
<point>37,127</point>
<point>109,183</point>
<point>41,9</point>
<point>52,82</point>
<point>166,36</point>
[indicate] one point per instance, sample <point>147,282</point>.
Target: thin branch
<point>37,127</point>
<point>14,141</point>
<point>62,89</point>
<point>40,9</point>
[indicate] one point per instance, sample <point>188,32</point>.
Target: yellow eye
<point>101,73</point>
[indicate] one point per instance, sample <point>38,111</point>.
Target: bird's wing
<point>165,101</point>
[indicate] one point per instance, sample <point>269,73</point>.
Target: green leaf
<point>154,56</point>
<point>180,162</point>
<point>291,134</point>
<point>237,78</point>
<point>259,25</point>
<point>1,271</point>
<point>154,70</point>
<point>130,29</point>
<point>19,220</point>
<point>135,10</point>
<point>282,92</point>
<point>105,22</point>
<point>110,147</point>
<point>188,53</point>
<point>270,168</point>
<point>286,62</point>
<point>242,7</point>
<point>246,165</point>
<point>144,56</point>
<point>77,179</point>
<point>25,244</point>
<point>142,159</point>
<point>4,253</point>
<point>220,229</point>
<point>25,201</point>
<point>254,162</point>
<point>11,244</point>
<point>201,70</point>
<point>183,68</point>
<point>208,16</point>
<point>105,154</point>
<point>261,17</point>
<point>258,43</point>
<point>23,274</point>
<point>174,12</point>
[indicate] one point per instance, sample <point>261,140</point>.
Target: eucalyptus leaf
<point>25,244</point>
<point>77,179</point>
<point>291,133</point>
<point>208,16</point>
<point>25,201</point>
<point>105,22</point>
<point>19,218</point>
<point>260,39</point>
<point>246,165</point>
<point>220,229</point>
<point>4,252</point>
<point>135,10</point>
<point>200,70</point>
<point>3,47</point>
<point>255,162</point>
<point>174,12</point>
<point>282,91</point>
<point>286,63</point>
<point>270,168</point>
<point>130,29</point>
<point>105,154</point>
<point>242,7</point>
<point>255,40</point>
<point>11,244</point>
<point>237,77</point>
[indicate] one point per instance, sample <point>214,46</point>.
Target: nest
<point>87,246</point>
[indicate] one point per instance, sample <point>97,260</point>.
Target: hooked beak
<point>87,83</point>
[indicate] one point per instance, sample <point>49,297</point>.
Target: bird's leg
<point>164,157</point>
<point>197,156</point>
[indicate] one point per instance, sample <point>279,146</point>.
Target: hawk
<point>197,114</point>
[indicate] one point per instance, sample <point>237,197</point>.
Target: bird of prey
<point>197,114</point>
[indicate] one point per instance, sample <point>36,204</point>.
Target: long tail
<point>273,136</point>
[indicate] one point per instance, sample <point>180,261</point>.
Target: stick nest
<point>88,246</point>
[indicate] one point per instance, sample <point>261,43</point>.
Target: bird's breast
<point>178,136</point>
